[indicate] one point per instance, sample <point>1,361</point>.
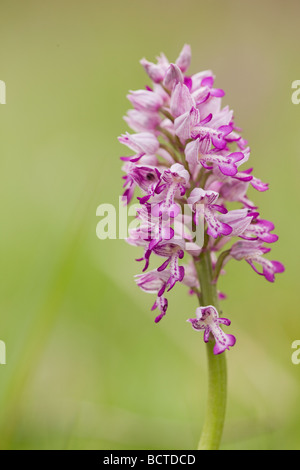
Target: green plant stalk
<point>217,371</point>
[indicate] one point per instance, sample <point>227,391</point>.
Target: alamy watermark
<point>138,223</point>
<point>296,354</point>
<point>2,352</point>
<point>2,101</point>
<point>296,94</point>
<point>2,92</point>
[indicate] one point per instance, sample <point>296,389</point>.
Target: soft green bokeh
<point>86,365</point>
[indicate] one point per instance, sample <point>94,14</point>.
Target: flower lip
<point>207,319</point>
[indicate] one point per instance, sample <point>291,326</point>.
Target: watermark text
<point>2,352</point>
<point>296,354</point>
<point>296,94</point>
<point>2,92</point>
<point>138,223</point>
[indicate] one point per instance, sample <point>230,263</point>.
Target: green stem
<point>217,379</point>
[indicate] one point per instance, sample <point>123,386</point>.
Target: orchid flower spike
<point>187,152</point>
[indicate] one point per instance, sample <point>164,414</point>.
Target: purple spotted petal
<point>207,319</point>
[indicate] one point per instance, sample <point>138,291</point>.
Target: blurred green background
<point>86,366</point>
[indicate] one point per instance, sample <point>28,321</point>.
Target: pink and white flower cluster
<point>187,150</point>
